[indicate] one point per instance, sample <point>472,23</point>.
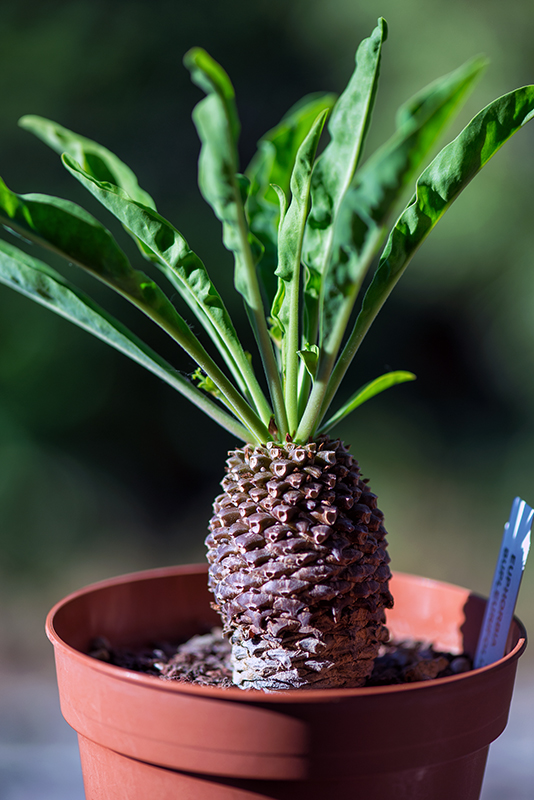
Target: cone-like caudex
<point>299,567</point>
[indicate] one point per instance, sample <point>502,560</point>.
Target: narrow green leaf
<point>290,237</point>
<point>293,219</point>
<point>72,232</point>
<point>364,210</point>
<point>95,159</point>
<point>217,123</point>
<point>219,186</point>
<point>38,281</point>
<point>378,185</point>
<point>271,166</point>
<point>277,149</point>
<point>436,189</point>
<point>365,393</point>
<point>282,203</point>
<point>212,79</point>
<point>333,173</point>
<point>75,234</point>
<point>185,271</point>
<point>216,120</point>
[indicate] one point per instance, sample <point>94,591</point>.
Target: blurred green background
<point>103,469</point>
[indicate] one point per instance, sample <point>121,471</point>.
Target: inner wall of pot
<point>174,604</point>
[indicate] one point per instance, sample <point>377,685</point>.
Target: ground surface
<point>39,751</point>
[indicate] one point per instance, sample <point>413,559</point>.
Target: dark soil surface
<point>205,660</point>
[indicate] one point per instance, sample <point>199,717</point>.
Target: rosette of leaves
<point>297,548</point>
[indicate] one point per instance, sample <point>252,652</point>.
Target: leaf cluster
<point>304,231</point>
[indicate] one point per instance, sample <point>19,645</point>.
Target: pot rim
<point>252,695</point>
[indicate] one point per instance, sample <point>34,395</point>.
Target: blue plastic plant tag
<point>505,587</point>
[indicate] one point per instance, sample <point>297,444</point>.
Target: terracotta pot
<point>141,737</point>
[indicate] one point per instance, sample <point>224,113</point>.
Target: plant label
<point>505,587</point>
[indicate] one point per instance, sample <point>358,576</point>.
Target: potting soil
<point>205,659</point>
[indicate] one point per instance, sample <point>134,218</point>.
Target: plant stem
<point>234,356</point>
<point>246,373</point>
<point>291,346</point>
<point>310,418</point>
<point>259,326</point>
<point>237,403</point>
<point>318,402</point>
<point>304,389</point>
<point>363,322</point>
<point>205,404</point>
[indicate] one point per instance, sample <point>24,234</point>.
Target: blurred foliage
<point>446,453</point>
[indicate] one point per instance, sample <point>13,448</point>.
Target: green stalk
<point>316,407</point>
<point>140,222</point>
<point>310,418</point>
<point>235,401</point>
<point>362,325</point>
<point>226,421</point>
<point>38,281</point>
<point>259,326</point>
<point>285,307</point>
<point>304,389</point>
<point>63,228</point>
<point>291,346</point>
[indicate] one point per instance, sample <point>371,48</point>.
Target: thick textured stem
<point>299,567</point>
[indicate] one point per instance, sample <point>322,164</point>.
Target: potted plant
<point>298,563</point>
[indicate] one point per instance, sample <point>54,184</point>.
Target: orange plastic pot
<point>142,737</point>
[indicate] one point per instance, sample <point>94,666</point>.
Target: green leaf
<point>293,219</point>
<point>272,166</point>
<point>95,159</point>
<point>282,203</point>
<point>378,185</point>
<point>217,123</point>
<point>333,173</point>
<point>212,79</point>
<point>363,212</point>
<point>286,306</point>
<point>36,280</point>
<point>277,149</point>
<point>185,271</point>
<point>380,181</point>
<point>437,188</point>
<point>216,120</point>
<point>72,232</point>
<point>67,229</point>
<point>365,393</point>
<point>309,355</point>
